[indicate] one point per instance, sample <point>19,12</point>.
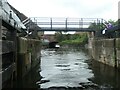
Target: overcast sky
<point>107,9</point>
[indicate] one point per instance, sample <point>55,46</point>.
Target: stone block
<point>103,51</point>
<point>28,54</point>
<point>22,45</point>
<point>108,42</point>
<point>118,58</point>
<point>118,43</point>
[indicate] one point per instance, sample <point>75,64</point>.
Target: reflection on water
<point>105,76</point>
<point>70,69</point>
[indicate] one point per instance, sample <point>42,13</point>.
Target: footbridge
<point>63,24</point>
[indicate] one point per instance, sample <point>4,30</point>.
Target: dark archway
<point>52,44</point>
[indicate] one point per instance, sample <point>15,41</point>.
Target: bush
<point>76,39</point>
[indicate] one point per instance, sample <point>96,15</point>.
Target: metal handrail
<point>61,23</point>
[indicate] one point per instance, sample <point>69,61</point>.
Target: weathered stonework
<point>118,51</point>
<point>28,55</point>
<point>106,51</point>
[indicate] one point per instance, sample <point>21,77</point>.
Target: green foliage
<point>75,39</point>
<point>114,23</point>
<point>95,26</point>
<point>101,26</point>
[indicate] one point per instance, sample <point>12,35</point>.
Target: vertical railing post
<point>98,24</point>
<point>51,23</point>
<point>97,21</point>
<point>81,23</point>
<point>102,23</point>
<point>66,24</point>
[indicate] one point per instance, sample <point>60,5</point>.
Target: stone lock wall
<point>28,55</point>
<point>118,51</point>
<point>106,51</point>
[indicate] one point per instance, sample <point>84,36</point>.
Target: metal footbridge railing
<point>64,24</point>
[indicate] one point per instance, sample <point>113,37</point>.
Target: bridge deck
<point>67,29</point>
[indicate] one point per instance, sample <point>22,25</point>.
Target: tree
<point>114,23</point>
<point>101,26</point>
<point>96,26</point>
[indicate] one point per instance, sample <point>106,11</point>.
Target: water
<point>73,69</point>
<point>64,68</point>
<point>70,69</point>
